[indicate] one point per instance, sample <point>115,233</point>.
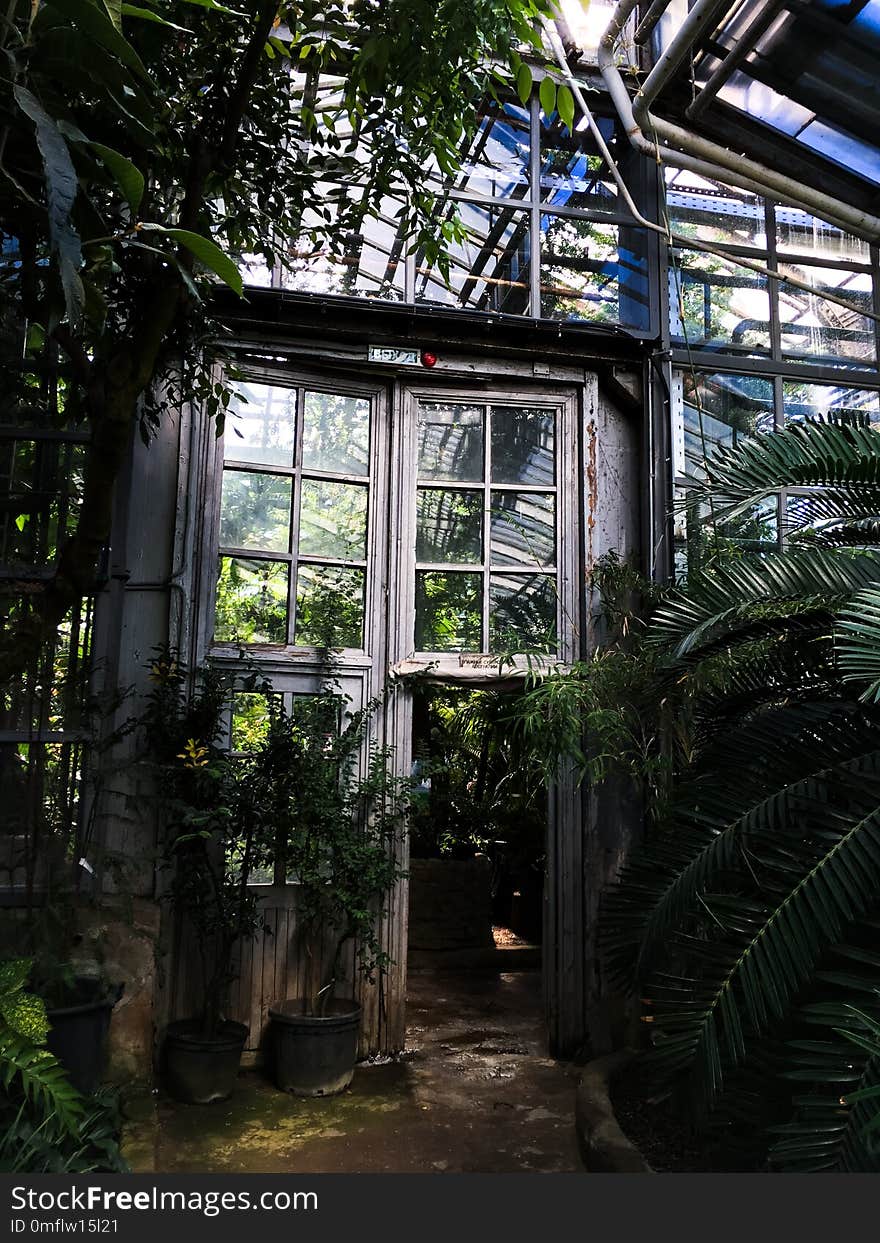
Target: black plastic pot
<point>199,1068</point>
<point>78,1033</point>
<point>314,1055</point>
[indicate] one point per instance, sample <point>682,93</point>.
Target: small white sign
<point>397,355</point>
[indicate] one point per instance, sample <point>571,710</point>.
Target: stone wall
<point>124,937</point>
<point>450,904</point>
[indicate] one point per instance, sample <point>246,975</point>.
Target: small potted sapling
<point>211,848</point>
<point>338,812</point>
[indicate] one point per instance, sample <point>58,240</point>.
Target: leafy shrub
<point>47,1126</point>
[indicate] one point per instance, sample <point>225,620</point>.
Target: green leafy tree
<point>145,149</point>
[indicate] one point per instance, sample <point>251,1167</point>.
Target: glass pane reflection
<point>255,511</point>
<point>720,410</point>
<point>333,520</point>
<point>260,425</point>
<point>449,525</point>
<point>251,601</point>
<point>523,528</point>
<point>523,443</point>
<point>522,613</point>
<point>713,302</point>
<point>817,401</point>
<point>450,441</point>
<point>449,608</point>
<point>814,327</point>
<point>336,433</point>
<point>329,606</point>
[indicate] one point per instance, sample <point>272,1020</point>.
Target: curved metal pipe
<point>717,162</point>
<point>676,159</point>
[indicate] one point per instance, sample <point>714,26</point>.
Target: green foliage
<point>745,922</point>
<point>44,1146</point>
<point>477,783</point>
<point>46,1126</point>
<point>603,716</point>
<point>148,148</point>
<point>207,822</point>
<point>304,797</point>
<point>326,795</point>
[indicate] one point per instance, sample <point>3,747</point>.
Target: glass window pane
<point>586,275</point>
<point>711,212</point>
<point>816,401</point>
<point>812,326</point>
<point>496,163</point>
<point>572,172</point>
<point>450,441</point>
<point>449,610</point>
<point>523,528</point>
<point>449,525</point>
<point>251,601</point>
<point>250,720</point>
<point>719,410</point>
<point>523,444</point>
<point>333,520</point>
<point>522,613</point>
<point>364,263</point>
<point>329,606</point>
<point>715,303</point>
<point>708,542</point>
<point>489,269</point>
<point>255,511</point>
<point>336,434</point>
<point>260,425</point>
<point>802,234</point>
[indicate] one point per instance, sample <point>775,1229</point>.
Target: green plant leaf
<point>524,83</point>
<point>547,96</point>
<point>207,252</point>
<point>114,12</point>
<point>129,178</point>
<point>565,104</point>
<point>94,23</point>
<point>13,975</point>
<point>25,1014</point>
<point>61,188</point>
<point>147,15</point>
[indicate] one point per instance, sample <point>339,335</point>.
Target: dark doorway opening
<point>478,833</point>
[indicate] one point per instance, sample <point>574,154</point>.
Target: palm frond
<point>743,965</point>
<point>724,601</point>
<point>830,455</point>
<point>752,780</point>
<point>857,641</point>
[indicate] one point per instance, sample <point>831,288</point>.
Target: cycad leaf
<point>857,641</point>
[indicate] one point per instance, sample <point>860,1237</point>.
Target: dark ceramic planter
<point>314,1055</point>
<point>200,1069</point>
<point>78,1033</point>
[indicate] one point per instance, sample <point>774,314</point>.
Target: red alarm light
<point>428,359</point>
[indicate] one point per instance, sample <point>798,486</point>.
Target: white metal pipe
<point>676,159</point>
<point>735,57</point>
<point>646,26</point>
<point>725,165</point>
<point>700,19</point>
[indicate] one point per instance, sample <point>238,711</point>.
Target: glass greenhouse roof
<point>813,77</point>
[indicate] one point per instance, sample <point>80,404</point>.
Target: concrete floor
<point>473,1093</point>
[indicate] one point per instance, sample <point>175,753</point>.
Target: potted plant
<point>212,845</point>
<point>79,999</point>
<point>337,811</point>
